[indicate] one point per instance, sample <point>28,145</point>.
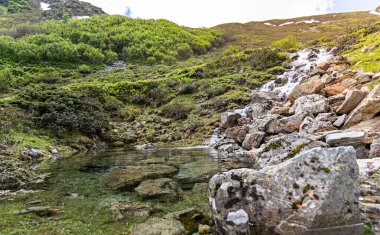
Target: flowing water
<point>76,191</point>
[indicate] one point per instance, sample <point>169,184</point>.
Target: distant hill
<point>307,29</point>
<point>52,9</point>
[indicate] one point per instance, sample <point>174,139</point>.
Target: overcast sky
<point>207,13</point>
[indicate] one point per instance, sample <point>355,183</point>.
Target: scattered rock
<point>237,133</point>
<point>54,151</point>
<point>370,127</point>
<point>340,121</point>
<point>145,146</point>
<point>157,226</point>
<point>375,148</point>
<point>285,124</point>
<point>366,110</point>
<point>229,120</point>
<point>323,122</point>
<point>352,100</point>
<point>345,139</point>
<point>129,177</point>
<point>312,86</point>
<point>33,153</point>
<point>290,198</point>
<point>253,140</point>
<point>163,189</point>
<point>310,104</point>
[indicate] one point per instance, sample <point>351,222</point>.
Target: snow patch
<point>286,23</point>
<point>269,24</point>
<point>312,21</point>
<point>80,17</point>
<point>45,6</point>
<point>238,217</point>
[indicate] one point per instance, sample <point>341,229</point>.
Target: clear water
<point>75,189</point>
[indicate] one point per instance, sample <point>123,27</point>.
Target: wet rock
<point>237,133</point>
<point>352,100</point>
<point>125,210</point>
<point>265,96</point>
<point>285,124</point>
<point>311,104</point>
<point>157,226</point>
<point>164,189</point>
<point>129,177</point>
<point>195,172</point>
<point>345,139</point>
<point>145,146</point>
<point>260,124</point>
<point>290,198</point>
<point>367,109</point>
<point>317,71</point>
<point>323,122</point>
<point>260,109</point>
<point>253,140</point>
<point>229,120</point>
<point>190,218</point>
<point>340,121</point>
<point>54,151</point>
<point>282,148</point>
<point>323,66</point>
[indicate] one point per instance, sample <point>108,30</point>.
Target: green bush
<point>84,69</point>
<point>287,43</point>
<point>177,110</point>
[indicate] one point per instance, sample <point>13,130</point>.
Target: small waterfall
<point>303,63</point>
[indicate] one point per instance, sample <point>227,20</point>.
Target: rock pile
<point>326,122</point>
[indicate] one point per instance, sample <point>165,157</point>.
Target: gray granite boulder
<point>316,189</point>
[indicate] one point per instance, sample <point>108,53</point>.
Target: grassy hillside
<point>56,91</point>
<point>259,34</point>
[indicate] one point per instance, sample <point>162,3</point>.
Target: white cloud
<point>206,13</point>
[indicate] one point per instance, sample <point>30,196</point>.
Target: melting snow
<point>269,24</point>
<point>308,21</point>
<point>286,23</point>
<point>45,6</point>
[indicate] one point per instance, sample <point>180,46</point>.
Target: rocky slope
<point>301,140</point>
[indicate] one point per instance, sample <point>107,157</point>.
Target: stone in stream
<point>367,109</point>
<point>126,210</point>
<point>128,177</point>
<point>196,172</point>
<point>164,189</point>
<point>316,189</point>
<point>158,226</point>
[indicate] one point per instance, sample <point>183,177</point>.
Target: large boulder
<point>310,104</point>
<point>237,133</point>
<point>128,177</point>
<point>367,109</point>
<point>316,189</point>
<point>163,189</point>
<point>352,100</point>
<point>158,226</point>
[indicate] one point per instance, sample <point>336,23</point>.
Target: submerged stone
<point>158,226</point>
<point>163,189</point>
<point>130,176</point>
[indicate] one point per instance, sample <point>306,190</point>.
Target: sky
<point>208,13</point>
